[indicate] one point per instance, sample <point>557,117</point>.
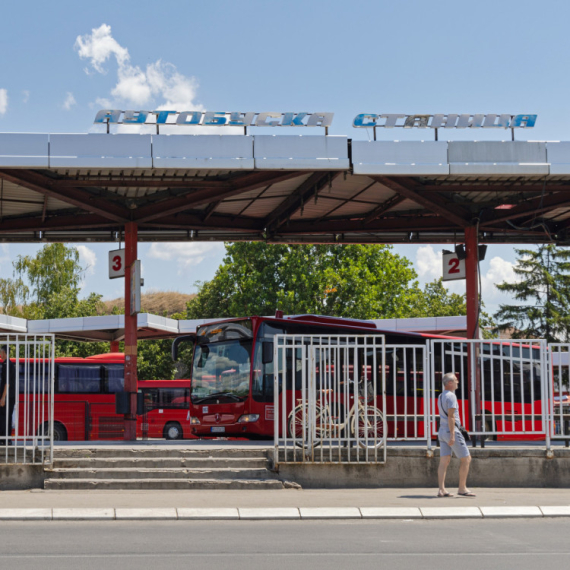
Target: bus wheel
<point>488,437</point>
<point>173,430</point>
<point>59,431</point>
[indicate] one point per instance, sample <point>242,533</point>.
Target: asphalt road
<point>315,545</point>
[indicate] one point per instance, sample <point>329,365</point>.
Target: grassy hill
<point>156,303</point>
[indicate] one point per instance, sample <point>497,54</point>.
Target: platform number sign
<point>116,263</point>
<point>453,267</point>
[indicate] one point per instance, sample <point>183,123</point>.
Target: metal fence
<point>559,411</point>
<point>407,383</point>
<point>329,396</point>
<point>27,399</point>
<point>504,386</point>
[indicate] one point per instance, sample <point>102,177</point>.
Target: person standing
<point>451,439</point>
<point>7,395</point>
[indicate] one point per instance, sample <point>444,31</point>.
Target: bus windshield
<point>221,370</point>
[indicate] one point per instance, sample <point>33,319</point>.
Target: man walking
<point>7,395</point>
<point>451,439</point>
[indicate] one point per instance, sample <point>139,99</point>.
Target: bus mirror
<point>176,344</point>
<point>203,357</point>
<point>267,353</point>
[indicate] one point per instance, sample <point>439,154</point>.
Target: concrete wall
<point>19,476</point>
<point>412,468</point>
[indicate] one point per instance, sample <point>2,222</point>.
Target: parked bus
<point>84,400</point>
<point>232,380</point>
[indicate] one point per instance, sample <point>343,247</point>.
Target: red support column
<point>131,238</point>
<point>472,301</point>
<point>114,346</point>
<point>472,277</point>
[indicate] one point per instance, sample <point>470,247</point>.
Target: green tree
<point>358,281</point>
<point>543,291</point>
<point>49,282</point>
<point>436,301</point>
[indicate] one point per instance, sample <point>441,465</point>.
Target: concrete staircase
<point>161,468</point>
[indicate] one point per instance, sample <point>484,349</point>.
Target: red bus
<point>84,400</point>
<point>232,381</point>
<point>166,409</point>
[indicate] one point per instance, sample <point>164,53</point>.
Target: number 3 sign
<point>116,263</point>
<point>453,267</point>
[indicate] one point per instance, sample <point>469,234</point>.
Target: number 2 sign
<point>116,263</point>
<point>453,267</point>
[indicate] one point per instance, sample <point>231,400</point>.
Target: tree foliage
<point>436,301</point>
<point>355,281</point>
<point>543,290</point>
<point>349,280</point>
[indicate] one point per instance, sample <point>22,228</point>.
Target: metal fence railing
<point>504,386</point>
<point>559,411</point>
<point>26,398</point>
<point>328,399</point>
<point>407,383</point>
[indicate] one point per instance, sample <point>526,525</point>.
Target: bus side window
<point>79,379</point>
<point>115,377</point>
<point>38,378</point>
<point>150,399</point>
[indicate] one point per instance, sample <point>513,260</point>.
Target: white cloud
<point>429,263</point>
<point>499,271</point>
<point>99,46</point>
<point>69,101</point>
<point>135,85</point>
<point>26,96</point>
<point>87,259</point>
<point>186,254</point>
<point>157,86</point>
<point>3,101</point>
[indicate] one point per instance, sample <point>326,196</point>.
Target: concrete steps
<point>167,484</point>
<point>163,462</point>
<point>161,467</point>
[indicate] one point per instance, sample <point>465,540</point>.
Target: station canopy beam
<point>280,189</point>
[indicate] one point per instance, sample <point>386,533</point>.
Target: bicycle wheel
<point>301,433</point>
<point>369,426</point>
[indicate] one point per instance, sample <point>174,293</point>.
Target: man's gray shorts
<point>459,448</point>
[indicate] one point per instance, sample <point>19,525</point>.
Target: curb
<point>288,513</point>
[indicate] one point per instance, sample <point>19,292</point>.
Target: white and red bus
<point>84,400</point>
<point>232,380</point>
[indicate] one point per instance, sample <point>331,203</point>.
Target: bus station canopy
<point>281,189</point>
<point>112,327</point>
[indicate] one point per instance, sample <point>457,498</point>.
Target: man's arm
<point>451,422</point>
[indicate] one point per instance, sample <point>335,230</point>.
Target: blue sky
<point>410,56</point>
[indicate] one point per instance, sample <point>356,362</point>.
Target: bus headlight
<point>194,421</point>
<point>248,418</point>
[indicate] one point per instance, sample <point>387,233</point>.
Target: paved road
<point>320,545</point>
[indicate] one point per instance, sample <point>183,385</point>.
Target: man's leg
<point>463,472</point>
<point>441,472</point>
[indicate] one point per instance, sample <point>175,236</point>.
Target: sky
<point>62,61</point>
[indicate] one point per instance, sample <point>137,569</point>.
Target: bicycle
<point>366,421</point>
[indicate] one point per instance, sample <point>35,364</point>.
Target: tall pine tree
<point>544,295</point>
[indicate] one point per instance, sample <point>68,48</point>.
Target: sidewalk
<point>279,504</point>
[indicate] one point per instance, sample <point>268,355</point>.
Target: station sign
<point>116,263</point>
<point>453,267</point>
<point>213,118</point>
<point>452,121</point>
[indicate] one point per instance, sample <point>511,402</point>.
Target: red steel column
<point>131,238</point>
<point>472,298</point>
<point>472,276</point>
<point>114,346</point>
